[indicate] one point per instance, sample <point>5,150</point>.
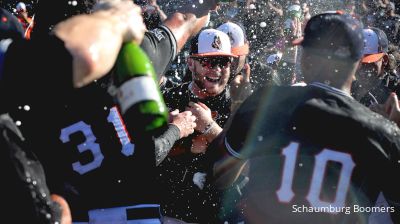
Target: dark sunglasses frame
<point>212,62</point>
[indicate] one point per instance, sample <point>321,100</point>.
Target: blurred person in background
<point>292,30</point>
<point>369,87</point>
<point>239,79</point>
<point>26,21</point>
<point>388,21</point>
<point>305,9</point>
<point>152,13</point>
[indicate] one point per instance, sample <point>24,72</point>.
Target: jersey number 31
<point>90,144</point>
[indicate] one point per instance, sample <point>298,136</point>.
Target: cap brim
<point>214,54</point>
<point>298,41</point>
<point>372,58</point>
<point>242,50</point>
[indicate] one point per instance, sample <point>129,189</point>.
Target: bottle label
<point>135,90</point>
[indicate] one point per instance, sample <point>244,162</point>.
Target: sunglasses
<point>212,62</point>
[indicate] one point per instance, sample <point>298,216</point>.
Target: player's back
<point>317,156</point>
<point>87,153</point>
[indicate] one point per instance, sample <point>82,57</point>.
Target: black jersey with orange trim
<point>315,154</point>
<point>87,153</point>
<point>184,198</point>
<point>78,134</point>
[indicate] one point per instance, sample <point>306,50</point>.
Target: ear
<point>190,63</point>
<point>385,60</point>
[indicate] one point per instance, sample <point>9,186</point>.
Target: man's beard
<point>200,84</point>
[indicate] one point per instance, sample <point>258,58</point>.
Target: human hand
<point>127,16</point>
<point>153,3</point>
<point>185,121</point>
<point>199,7</point>
<point>203,115</point>
<point>210,4</point>
<point>390,109</point>
<point>240,87</point>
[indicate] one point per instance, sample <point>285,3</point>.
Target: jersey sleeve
<point>160,45</point>
<point>390,184</point>
<point>240,126</point>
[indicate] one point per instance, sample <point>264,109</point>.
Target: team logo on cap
<point>217,43</point>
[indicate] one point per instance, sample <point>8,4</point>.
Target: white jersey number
<point>285,192</point>
<point>90,141</point>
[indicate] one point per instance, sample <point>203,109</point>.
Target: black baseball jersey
<point>82,141</point>
<point>316,155</point>
<point>183,198</point>
<point>178,97</point>
<point>376,95</point>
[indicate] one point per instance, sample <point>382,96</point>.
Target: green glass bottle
<point>138,94</point>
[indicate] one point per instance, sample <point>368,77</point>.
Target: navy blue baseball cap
<point>10,27</point>
<point>335,35</point>
<point>376,45</point>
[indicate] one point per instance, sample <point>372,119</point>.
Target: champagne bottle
<point>138,94</point>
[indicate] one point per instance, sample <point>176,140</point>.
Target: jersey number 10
<point>285,192</point>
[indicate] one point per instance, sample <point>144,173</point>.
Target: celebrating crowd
<point>278,111</point>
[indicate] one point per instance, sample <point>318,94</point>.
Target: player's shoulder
<point>271,96</point>
<point>344,111</point>
<point>268,108</point>
<point>377,124</point>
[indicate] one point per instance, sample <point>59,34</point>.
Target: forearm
<point>94,40</point>
<point>236,104</point>
<point>164,142</point>
<point>188,21</point>
<point>227,167</point>
<point>163,16</point>
<point>279,11</point>
<point>212,132</point>
<point>95,54</point>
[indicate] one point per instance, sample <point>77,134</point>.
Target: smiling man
<point>184,176</point>
<point>209,63</point>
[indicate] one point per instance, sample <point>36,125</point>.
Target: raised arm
<point>94,40</point>
<point>189,19</point>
